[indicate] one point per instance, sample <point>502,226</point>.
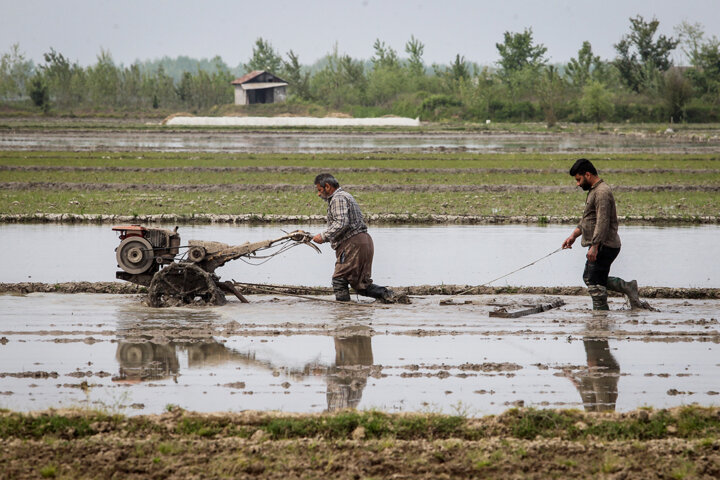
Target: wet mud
<point>298,355</point>
<point>233,140</point>
<point>445,289</point>
<point>397,219</point>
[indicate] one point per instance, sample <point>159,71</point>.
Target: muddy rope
<point>465,292</point>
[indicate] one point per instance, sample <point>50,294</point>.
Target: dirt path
<point>677,443</point>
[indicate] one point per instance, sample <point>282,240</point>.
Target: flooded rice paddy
<point>298,355</point>
<point>309,142</point>
<point>404,255</point>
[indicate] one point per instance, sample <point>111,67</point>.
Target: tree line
<point>639,84</point>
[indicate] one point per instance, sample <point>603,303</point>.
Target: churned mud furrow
<point>312,170</point>
<point>235,187</point>
<point>446,289</point>
<point>387,218</point>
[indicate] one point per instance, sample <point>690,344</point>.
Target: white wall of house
<point>240,95</point>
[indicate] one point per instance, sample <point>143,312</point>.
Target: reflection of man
<point>598,385</point>
<point>599,230</point>
<point>347,233</point>
<point>353,362</point>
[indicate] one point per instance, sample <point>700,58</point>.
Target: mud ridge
<point>314,170</point>
<point>129,288</point>
<point>281,187</point>
<point>386,218</point>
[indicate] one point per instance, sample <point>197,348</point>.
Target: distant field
<point>96,183</point>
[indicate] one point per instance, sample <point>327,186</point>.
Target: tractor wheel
<point>181,283</point>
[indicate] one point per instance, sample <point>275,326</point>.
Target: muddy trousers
<point>342,290</point>
<point>596,276</point>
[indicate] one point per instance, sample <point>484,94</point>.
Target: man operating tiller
<point>347,233</point>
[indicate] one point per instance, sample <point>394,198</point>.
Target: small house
<point>259,86</point>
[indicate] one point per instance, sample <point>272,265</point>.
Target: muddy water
<point>345,142</point>
<point>404,256</point>
<point>109,351</point>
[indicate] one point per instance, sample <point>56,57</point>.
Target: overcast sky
<point>145,29</point>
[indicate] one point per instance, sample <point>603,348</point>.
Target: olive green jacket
<point>599,223</point>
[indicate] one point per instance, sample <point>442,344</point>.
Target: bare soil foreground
<point>520,443</point>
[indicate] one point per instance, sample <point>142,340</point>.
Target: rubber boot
<point>630,290</point>
<point>341,290</point>
<point>598,293</point>
<point>384,294</point>
<point>375,291</point>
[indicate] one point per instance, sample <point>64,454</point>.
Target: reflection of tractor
<point>151,257</point>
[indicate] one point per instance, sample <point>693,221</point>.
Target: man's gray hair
<point>326,178</point>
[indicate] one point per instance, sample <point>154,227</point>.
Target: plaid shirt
<point>344,218</point>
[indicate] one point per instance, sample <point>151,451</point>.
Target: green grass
<point>352,178</point>
<point>649,204</point>
<point>686,205</point>
<point>66,426</point>
<point>686,422</point>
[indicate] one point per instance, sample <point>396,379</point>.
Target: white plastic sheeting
<point>295,121</point>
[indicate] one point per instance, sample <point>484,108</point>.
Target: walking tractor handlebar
<point>152,257</point>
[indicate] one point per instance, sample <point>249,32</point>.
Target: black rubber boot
<point>598,293</point>
<point>374,291</point>
<point>630,290</point>
<point>384,294</point>
<point>341,289</point>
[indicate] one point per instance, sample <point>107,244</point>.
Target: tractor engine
<point>142,250</point>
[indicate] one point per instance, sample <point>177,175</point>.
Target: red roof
<point>247,77</point>
<point>255,73</point>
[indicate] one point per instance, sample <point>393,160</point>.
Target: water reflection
<point>598,383</point>
<point>150,344</point>
<point>347,379</point>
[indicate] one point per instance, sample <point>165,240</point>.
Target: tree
<point>299,81</point>
<point>264,57</point>
<point>596,102</point>
<point>38,92</point>
<point>15,72</point>
<point>550,90</point>
<point>517,53</point>
<point>676,93</point>
<point>65,80</point>
<point>341,81</point>
<point>103,80</point>
<point>640,58</point>
<point>415,48</point>
<point>704,56</point>
<point>579,70</point>
<point>385,57</point>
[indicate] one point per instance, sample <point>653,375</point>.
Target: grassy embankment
<point>678,443</point>
<point>189,190</point>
